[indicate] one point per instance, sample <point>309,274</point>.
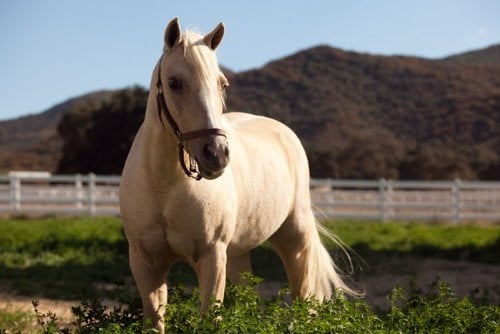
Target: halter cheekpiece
<point>182,138</point>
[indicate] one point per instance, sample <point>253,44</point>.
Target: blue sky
<point>56,49</point>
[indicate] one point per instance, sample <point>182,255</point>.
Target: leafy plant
<point>47,321</point>
<point>439,311</point>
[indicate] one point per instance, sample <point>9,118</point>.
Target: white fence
<point>383,200</point>
<point>41,193</point>
<point>35,193</point>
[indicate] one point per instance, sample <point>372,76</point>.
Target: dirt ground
<point>466,279</point>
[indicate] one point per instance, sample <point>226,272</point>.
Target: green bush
<point>440,311</point>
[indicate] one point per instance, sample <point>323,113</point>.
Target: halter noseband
<point>182,138</point>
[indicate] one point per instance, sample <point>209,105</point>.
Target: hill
<point>359,115</point>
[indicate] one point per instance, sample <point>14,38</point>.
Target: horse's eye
<point>175,84</point>
<point>224,84</point>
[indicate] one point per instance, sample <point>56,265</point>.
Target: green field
<point>81,258</point>
<point>59,258</point>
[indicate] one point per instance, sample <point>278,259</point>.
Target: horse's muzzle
<point>213,156</point>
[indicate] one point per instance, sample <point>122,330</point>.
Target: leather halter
<point>182,138</point>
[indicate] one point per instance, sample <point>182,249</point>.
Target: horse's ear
<point>213,39</point>
<point>172,33</point>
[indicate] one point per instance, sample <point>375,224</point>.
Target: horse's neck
<point>159,147</point>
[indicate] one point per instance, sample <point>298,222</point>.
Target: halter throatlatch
<point>182,138</point>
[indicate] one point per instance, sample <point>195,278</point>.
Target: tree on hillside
<point>362,157</point>
<point>97,138</point>
<point>436,161</point>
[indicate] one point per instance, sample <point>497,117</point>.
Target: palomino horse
<point>205,187</point>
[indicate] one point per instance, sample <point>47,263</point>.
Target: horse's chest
<point>193,226</point>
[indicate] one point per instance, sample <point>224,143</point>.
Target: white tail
<point>323,275</point>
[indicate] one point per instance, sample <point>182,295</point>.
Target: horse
<point>205,186</point>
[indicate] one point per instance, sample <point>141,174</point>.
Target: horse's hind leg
<point>291,242</point>
<point>238,265</point>
<point>309,267</point>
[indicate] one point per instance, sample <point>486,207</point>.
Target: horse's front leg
<point>150,277</point>
<point>212,275</point>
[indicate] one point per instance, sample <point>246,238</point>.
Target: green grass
<point>61,258</point>
<point>468,241</point>
<point>64,258</point>
<point>16,321</point>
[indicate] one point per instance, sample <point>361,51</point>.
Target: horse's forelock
<point>200,57</point>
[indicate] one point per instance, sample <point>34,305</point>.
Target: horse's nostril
<point>215,156</point>
<point>208,152</point>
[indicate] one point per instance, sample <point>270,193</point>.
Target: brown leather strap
<point>193,167</point>
<point>162,108</point>
<point>201,133</point>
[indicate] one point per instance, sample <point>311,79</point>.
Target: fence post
<point>383,199</point>
<point>15,192</point>
<point>457,203</point>
<point>389,201</point>
<point>79,191</point>
<point>92,195</point>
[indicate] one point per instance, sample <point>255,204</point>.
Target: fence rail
<point>41,193</point>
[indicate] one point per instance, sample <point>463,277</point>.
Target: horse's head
<point>193,88</point>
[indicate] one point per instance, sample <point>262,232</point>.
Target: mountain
<point>488,56</point>
<point>358,115</point>
<point>344,105</point>
<point>316,88</point>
